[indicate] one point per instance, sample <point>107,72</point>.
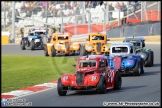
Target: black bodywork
<point>145,53</point>
<point>31,42</point>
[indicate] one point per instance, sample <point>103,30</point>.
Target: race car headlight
<point>88,47</point>
<point>65,77</point>
<point>107,48</point>
<point>94,78</point>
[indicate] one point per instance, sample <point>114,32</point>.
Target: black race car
<point>146,53</point>
<point>35,39</point>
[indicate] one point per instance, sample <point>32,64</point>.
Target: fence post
<point>89,22</point>
<point>83,9</point>
<point>127,10</point>
<point>59,27</point>
<point>5,18</point>
<point>159,2</point>
<point>104,22</point>
<point>33,17</point>
<point>119,18</point>
<point>107,13</point>
<point>75,23</point>
<point>13,22</point>
<point>46,10</point>
<point>61,24</point>
<point>141,11</point>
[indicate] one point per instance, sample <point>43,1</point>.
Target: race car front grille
<point>67,45</point>
<point>79,78</point>
<point>98,45</point>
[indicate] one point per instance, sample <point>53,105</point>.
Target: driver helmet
<point>98,38</point>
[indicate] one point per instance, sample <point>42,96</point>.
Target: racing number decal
<point>110,75</point>
<point>58,46</point>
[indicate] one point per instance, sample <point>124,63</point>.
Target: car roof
<point>65,34</point>
<point>98,34</point>
<point>122,44</point>
<point>92,57</point>
<point>135,38</point>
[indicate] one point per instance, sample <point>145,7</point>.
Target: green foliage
<point>24,71</point>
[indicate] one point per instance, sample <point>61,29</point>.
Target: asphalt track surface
<point>144,88</point>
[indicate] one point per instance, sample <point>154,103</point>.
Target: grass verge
<point>24,71</point>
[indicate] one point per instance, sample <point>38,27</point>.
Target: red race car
<point>92,74</point>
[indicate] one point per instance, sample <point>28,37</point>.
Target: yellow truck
<point>60,43</point>
<point>97,44</point>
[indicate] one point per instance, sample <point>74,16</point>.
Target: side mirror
<point>143,45</point>
<point>74,65</point>
<point>108,39</point>
<point>102,65</point>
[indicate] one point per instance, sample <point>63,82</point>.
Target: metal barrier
<point>97,19</point>
<point>147,29</point>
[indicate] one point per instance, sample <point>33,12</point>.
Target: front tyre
<point>141,65</point>
<point>32,45</point>
<point>118,81</point>
<point>22,44</point>
<point>101,87</point>
<point>137,69</point>
<point>53,52</point>
<point>82,50</point>
<point>150,60</point>
<point>45,51</point>
<point>60,88</point>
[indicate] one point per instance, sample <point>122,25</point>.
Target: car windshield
<point>136,44</point>
<point>119,50</point>
<point>62,37</point>
<point>87,63</point>
<point>39,33</point>
<point>97,37</point>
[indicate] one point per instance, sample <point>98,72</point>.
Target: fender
<point>146,49</point>
<point>32,36</point>
<point>66,79</point>
<point>88,47</point>
<point>117,62</point>
<point>143,55</point>
<point>114,62</point>
<point>110,62</point>
<point>92,80</point>
<point>128,63</point>
<point>111,77</point>
<point>25,39</point>
<point>138,57</point>
<point>74,46</point>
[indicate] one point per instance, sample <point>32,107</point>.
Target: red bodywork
<point>117,62</point>
<point>70,80</point>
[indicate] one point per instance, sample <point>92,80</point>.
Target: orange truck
<point>97,44</point>
<point>60,43</point>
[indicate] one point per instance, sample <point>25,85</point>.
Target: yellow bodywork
<point>101,45</point>
<point>59,44</point>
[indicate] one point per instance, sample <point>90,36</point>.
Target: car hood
<point>86,69</point>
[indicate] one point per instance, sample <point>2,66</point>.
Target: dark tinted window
<point>97,37</point>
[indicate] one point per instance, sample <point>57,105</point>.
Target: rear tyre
<point>67,45</point>
<point>101,87</point>
<point>45,51</point>
<point>32,45</point>
<point>22,44</point>
<point>60,88</point>
<point>82,50</point>
<point>118,81</point>
<point>53,52</point>
<point>150,59</point>
<point>141,65</point>
<point>136,69</point>
<point>66,54</point>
